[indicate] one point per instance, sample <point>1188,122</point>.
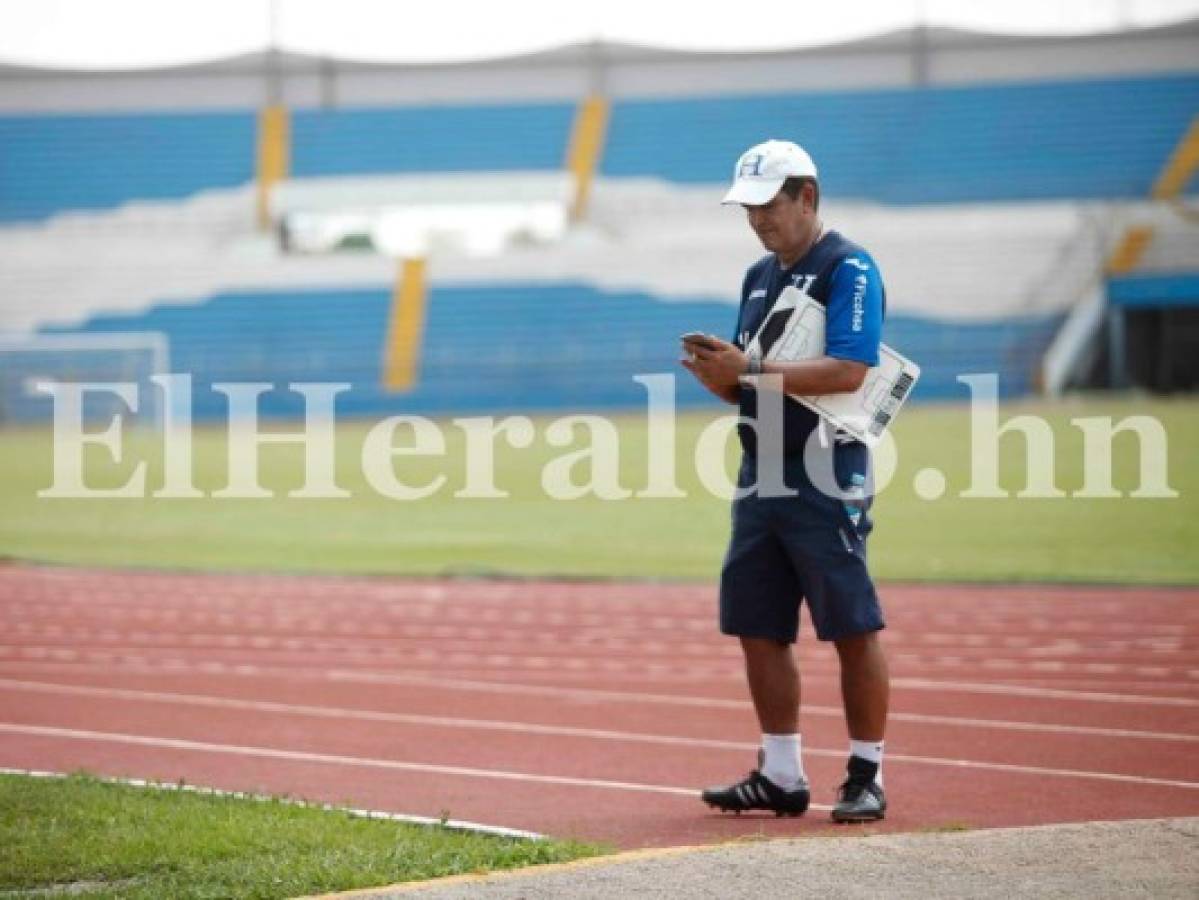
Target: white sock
<point>783,764</point>
<point>871,751</point>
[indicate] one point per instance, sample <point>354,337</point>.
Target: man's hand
<point>716,363</point>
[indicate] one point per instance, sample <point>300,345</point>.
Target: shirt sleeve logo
<point>859,302</point>
<point>860,282</point>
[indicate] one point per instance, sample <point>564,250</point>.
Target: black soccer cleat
<point>860,799</point>
<point>756,791</point>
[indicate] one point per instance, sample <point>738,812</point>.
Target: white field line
<point>528,728</point>
<point>456,824</point>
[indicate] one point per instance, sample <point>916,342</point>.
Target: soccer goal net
<point>27,361</point>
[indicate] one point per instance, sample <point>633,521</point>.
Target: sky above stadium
<point>105,34</point>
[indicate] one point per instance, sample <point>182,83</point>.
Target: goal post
<point>130,357</point>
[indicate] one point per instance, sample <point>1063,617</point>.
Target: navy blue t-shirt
<point>843,278</point>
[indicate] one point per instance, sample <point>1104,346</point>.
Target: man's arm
<point>854,323</point>
<point>720,367</point>
<point>823,375</point>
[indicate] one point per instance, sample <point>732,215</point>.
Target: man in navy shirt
<point>808,540</point>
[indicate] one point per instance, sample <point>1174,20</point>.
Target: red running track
<point>591,710</point>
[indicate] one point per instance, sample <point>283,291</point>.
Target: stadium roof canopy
<point>906,57</point>
<point>140,34</point>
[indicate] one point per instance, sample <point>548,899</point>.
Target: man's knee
<point>757,647</point>
<point>859,646</point>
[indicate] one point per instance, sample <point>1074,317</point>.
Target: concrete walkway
<point>1156,858</point>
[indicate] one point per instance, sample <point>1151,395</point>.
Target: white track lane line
<point>339,760</point>
<point>1129,655</point>
<point>353,675</point>
<point>732,678</point>
<point>663,699</point>
<point>24,638</point>
<point>926,684</point>
<point>529,728</point>
<point>1007,687</point>
<point>530,665</point>
<point>70,663</point>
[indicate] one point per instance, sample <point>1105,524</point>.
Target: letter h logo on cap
<point>751,165</point>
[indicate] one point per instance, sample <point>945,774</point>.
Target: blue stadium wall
<point>53,163</point>
<point>1045,140</point>
<point>514,348</point>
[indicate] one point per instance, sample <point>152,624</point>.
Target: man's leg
<point>760,595</point>
<point>773,680</point>
<point>779,783</point>
<point>865,691</point>
<point>865,686</point>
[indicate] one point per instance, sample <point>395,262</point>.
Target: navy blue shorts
<point>785,550</point>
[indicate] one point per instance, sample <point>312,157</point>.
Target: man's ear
<point>808,193</point>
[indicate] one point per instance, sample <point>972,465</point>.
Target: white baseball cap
<point>762,169</point>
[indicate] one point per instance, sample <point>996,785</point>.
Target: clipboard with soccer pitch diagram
<point>794,330</point>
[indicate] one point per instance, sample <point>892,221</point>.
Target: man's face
<point>783,223</point>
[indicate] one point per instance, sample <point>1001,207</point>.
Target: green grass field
<point>953,538</point>
<point>80,836</point>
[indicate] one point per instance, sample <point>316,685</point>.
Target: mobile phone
<point>697,337</point>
